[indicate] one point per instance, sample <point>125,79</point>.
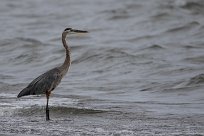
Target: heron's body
<point>44,83</point>
<point>48,81</point>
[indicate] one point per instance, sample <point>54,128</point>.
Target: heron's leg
<point>47,107</point>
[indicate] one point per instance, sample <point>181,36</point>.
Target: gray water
<point>139,70</point>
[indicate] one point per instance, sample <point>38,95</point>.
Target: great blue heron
<point>47,82</point>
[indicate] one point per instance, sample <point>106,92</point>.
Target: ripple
<point>199,79</point>
<point>184,28</point>
<point>56,110</point>
<point>155,47</point>
<point>195,60</point>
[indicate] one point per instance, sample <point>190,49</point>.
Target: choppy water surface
<point>140,70</point>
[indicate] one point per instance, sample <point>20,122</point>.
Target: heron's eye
<point>68,29</point>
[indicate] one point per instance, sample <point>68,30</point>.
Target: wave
<point>195,6</point>
<point>183,28</point>
<point>103,55</point>
<point>155,47</point>
<point>196,80</point>
<point>195,60</point>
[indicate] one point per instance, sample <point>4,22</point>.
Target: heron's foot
<point>47,115</point>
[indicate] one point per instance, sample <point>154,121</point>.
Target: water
<point>139,70</point>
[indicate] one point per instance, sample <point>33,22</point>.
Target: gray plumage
<point>47,82</point>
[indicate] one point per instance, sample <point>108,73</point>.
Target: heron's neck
<point>67,62</point>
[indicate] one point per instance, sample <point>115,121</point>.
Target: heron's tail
<point>24,92</point>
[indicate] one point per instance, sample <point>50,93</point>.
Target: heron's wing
<point>45,82</point>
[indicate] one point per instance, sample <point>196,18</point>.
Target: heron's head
<point>73,31</point>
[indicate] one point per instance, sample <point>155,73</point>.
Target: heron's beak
<point>78,31</point>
